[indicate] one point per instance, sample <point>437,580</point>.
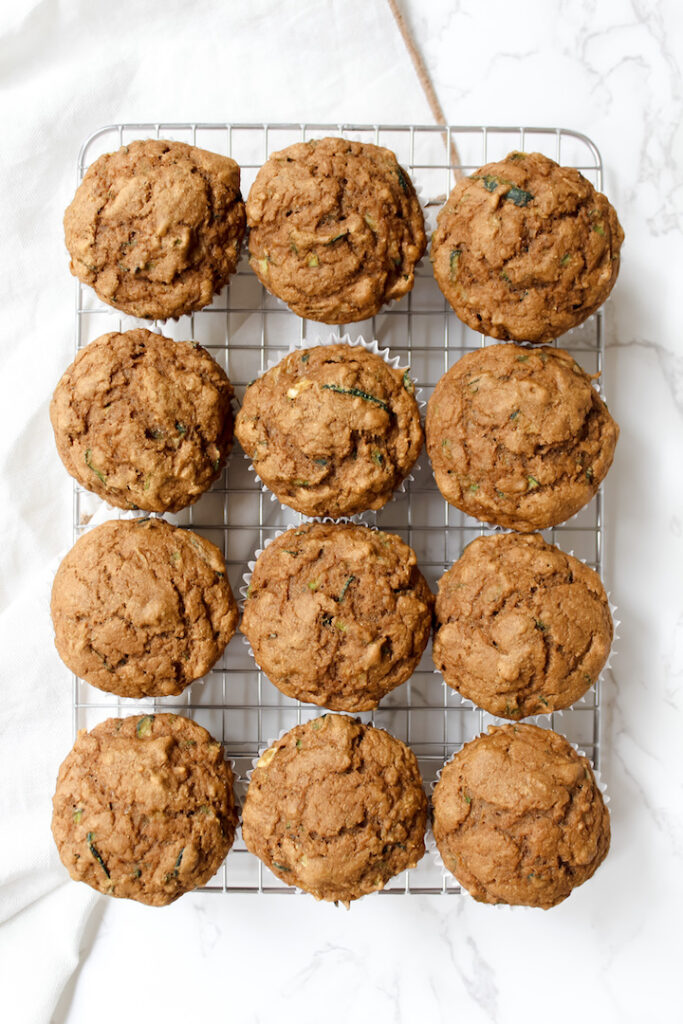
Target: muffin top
<point>141,608</point>
<point>335,229</point>
<point>331,430</point>
<point>336,808</point>
<point>519,817</point>
<point>522,628</point>
<point>143,421</point>
<point>525,249</point>
<point>337,614</point>
<point>144,808</point>
<point>519,437</point>
<point>156,228</point>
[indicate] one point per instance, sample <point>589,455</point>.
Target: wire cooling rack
<point>245,328</point>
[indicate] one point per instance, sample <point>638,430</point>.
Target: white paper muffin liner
<point>430,839</point>
<point>250,772</point>
<point>393,361</point>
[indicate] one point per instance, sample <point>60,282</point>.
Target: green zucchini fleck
<point>305,357</point>
<point>453,262</point>
<point>320,462</point>
<point>402,179</point>
<point>88,462</point>
<point>518,196</point>
<point>522,359</point>
<point>467,798</point>
<point>313,585</point>
<point>490,182</point>
<point>137,873</point>
<point>77,815</point>
<point>280,867</point>
<point>540,625</point>
<point>378,458</point>
<point>532,483</point>
<point>357,393</point>
<point>144,726</point>
<point>300,483</point>
<point>181,428</point>
<point>407,383</point>
<point>298,744</point>
<point>96,853</point>
<point>349,580</point>
<point>313,260</point>
<point>175,557</point>
<point>599,228</point>
<point>514,415</point>
<point>337,238</point>
<point>565,259</point>
<point>589,474</point>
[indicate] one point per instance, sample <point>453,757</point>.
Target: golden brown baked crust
<point>335,229</point>
<point>519,817</point>
<point>144,808</point>
<point>525,249</point>
<point>143,421</point>
<point>156,228</point>
<point>518,436</point>
<point>142,608</point>
<point>337,614</point>
<point>521,627</point>
<point>331,430</point>
<point>336,808</point>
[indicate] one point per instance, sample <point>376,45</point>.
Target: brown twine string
<point>426,83</point>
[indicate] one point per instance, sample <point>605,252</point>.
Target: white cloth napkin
<point>68,67</point>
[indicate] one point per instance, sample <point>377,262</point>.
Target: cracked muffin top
<point>519,817</point>
<point>144,808</point>
<point>336,808</point>
<point>525,249</point>
<point>142,608</point>
<point>156,228</point>
<point>518,436</point>
<point>331,430</point>
<point>143,421</point>
<point>521,627</point>
<point>335,229</point>
<point>337,614</point>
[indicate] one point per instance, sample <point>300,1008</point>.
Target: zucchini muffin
<point>337,614</point>
<point>518,436</point>
<point>519,817</point>
<point>156,228</point>
<point>521,627</point>
<point>143,421</point>
<point>335,229</point>
<point>336,808</point>
<point>525,249</point>
<point>144,808</point>
<point>142,608</point>
<point>332,430</point>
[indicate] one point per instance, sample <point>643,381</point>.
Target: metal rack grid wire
<point>245,329</point>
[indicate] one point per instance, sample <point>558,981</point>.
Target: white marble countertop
<point>612,70</point>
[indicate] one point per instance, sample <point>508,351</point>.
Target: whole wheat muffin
<point>525,249</point>
<point>331,430</point>
<point>337,614</point>
<point>156,228</point>
<point>519,817</point>
<point>144,808</point>
<point>336,808</point>
<point>142,608</point>
<point>521,627</point>
<point>143,421</point>
<point>518,436</point>
<point>335,229</point>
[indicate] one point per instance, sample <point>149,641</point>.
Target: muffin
<point>521,627</point>
<point>519,817</point>
<point>143,421</point>
<point>336,808</point>
<point>337,614</point>
<point>156,228</point>
<point>525,249</point>
<point>142,608</point>
<point>335,229</point>
<point>331,430</point>
<point>518,436</point>
<point>144,808</point>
